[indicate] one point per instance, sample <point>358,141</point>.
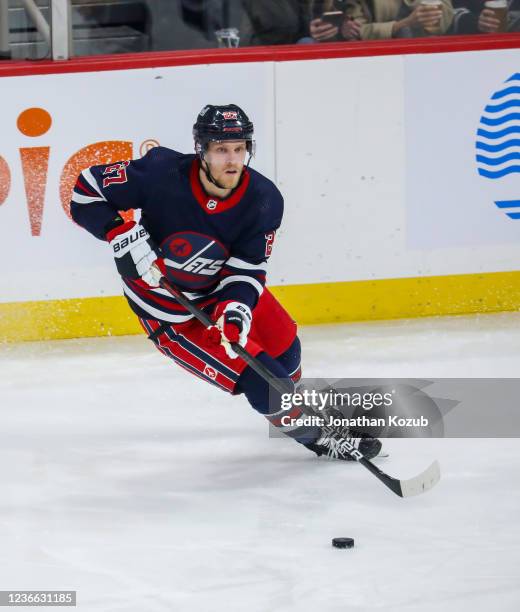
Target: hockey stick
<point>404,488</point>
<point>251,361</point>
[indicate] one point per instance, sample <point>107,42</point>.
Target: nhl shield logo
<point>211,205</point>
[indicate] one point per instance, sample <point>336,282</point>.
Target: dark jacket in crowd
<point>467,13</point>
<point>260,22</point>
<point>274,22</point>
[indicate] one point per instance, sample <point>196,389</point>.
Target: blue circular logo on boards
<point>498,141</point>
<point>193,261</point>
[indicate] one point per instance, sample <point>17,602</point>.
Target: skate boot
<point>335,444</point>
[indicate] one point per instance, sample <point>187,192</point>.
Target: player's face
<point>227,161</point>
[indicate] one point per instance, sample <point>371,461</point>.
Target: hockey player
<point>208,222</point>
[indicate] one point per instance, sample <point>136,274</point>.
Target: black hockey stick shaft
<point>281,386</point>
<point>252,362</point>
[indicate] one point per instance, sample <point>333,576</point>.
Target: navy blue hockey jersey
<point>213,249</point>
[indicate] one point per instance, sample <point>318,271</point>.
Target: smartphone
<point>335,18</point>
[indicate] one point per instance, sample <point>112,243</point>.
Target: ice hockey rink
<point>145,490</point>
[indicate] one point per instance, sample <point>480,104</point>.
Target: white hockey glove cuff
<point>134,253</point>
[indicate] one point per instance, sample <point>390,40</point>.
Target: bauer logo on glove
<point>128,240</point>
<point>134,252</point>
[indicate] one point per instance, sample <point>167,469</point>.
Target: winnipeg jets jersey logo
<point>210,372</point>
<point>193,260</point>
<point>181,247</point>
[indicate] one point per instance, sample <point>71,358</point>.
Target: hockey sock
<point>291,360</point>
<point>256,389</point>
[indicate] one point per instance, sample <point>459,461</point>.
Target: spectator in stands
<point>273,22</point>
<point>514,17</point>
<point>472,17</point>
<point>206,16</point>
<point>321,30</point>
<point>380,19</point>
<point>259,22</point>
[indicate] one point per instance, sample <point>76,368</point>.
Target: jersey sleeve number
<point>269,240</point>
<point>119,172</point>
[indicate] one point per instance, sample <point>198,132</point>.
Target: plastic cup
<point>228,37</point>
<point>435,4</point>
<point>499,7</point>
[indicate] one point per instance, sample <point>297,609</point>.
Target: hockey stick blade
<point>407,488</point>
<point>423,482</point>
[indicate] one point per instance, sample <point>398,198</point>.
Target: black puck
<point>343,542</point>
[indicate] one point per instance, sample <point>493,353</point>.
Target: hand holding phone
<point>335,18</point>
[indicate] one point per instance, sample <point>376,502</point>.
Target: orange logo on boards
<point>34,160</point>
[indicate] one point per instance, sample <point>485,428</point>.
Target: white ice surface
<point>146,490</point>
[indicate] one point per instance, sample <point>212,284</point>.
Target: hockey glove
<point>233,322</point>
<point>134,252</point>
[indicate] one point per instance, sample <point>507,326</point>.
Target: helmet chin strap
<point>209,176</point>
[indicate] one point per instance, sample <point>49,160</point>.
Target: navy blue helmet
<point>218,123</point>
